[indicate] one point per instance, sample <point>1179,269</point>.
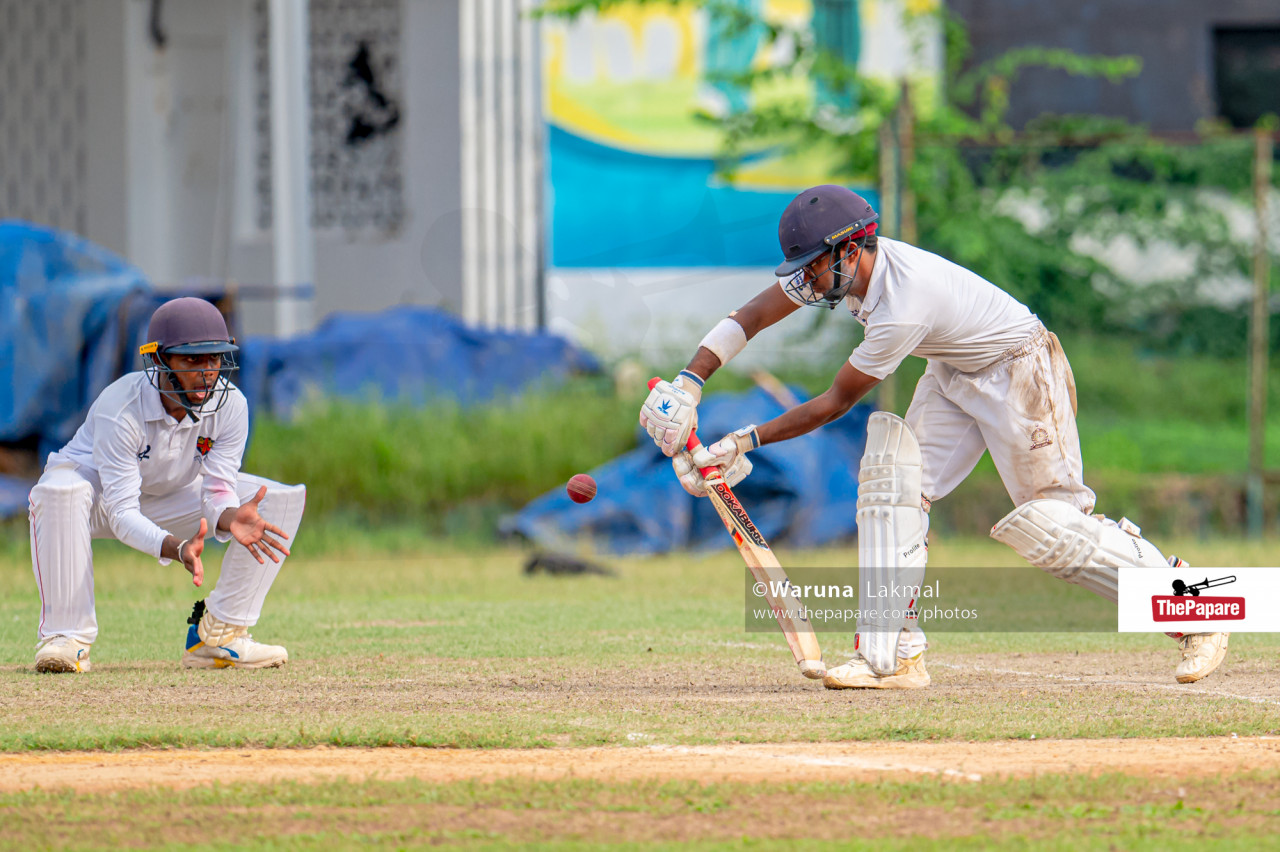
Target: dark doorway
<point>1246,66</point>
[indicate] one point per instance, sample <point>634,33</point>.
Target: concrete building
<point>146,126</point>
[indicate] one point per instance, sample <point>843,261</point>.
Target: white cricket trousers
<point>1022,410</point>
<point>66,513</point>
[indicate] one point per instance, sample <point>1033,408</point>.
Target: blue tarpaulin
<point>13,495</point>
<point>405,353</point>
<point>802,492</point>
<point>72,316</point>
<point>68,309</point>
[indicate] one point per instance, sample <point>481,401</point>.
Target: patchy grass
<point>455,647</point>
<point>1050,812</point>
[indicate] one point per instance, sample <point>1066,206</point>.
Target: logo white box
<point>1199,600</point>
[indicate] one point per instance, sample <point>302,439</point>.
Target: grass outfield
<point>1050,812</point>
<point>400,641</point>
<point>428,646</point>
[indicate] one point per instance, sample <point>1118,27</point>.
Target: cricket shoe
<point>62,654</point>
<point>858,674</point>
<point>1201,652</point>
<point>214,644</point>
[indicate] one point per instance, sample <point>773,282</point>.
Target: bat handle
<point>693,443</point>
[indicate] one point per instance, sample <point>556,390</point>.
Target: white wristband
<point>726,340</point>
<point>181,545</point>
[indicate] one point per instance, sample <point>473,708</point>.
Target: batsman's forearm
<point>704,363</point>
<point>802,419</point>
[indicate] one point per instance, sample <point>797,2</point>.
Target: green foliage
<point>390,461</point>
<point>1035,210</point>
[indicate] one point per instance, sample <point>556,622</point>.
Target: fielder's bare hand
<point>190,552</point>
<point>250,529</point>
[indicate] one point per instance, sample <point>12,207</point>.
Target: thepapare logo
<point>1186,604</point>
<point>1173,608</point>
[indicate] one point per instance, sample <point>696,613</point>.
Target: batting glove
<point>729,454</point>
<point>670,413</point>
<point>694,482</point>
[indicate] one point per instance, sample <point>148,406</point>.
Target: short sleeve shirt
<point>918,303</point>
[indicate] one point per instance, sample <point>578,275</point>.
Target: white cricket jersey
<point>131,446</point>
<point>918,303</point>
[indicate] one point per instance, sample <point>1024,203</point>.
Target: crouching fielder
<point>996,380</point>
<point>156,465</point>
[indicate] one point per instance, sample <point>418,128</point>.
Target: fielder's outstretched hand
<point>250,529</point>
<point>191,550</point>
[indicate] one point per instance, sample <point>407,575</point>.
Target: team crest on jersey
<point>1040,438</point>
<point>204,445</point>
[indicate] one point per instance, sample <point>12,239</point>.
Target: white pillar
<point>490,250</point>
<point>468,137</point>
<point>530,216</point>
<point>292,242</point>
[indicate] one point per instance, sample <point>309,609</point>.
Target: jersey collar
<point>862,307</point>
<point>152,408</point>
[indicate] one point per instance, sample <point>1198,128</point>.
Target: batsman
<point>156,465</point>
<point>996,380</point>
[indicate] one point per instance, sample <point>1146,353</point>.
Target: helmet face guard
<point>800,285</point>
<point>815,223</point>
<point>189,326</point>
<point>164,377</point>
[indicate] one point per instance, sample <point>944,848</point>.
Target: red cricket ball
<point>581,488</point>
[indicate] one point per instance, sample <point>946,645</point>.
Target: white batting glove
<point>670,413</point>
<point>729,449</point>
<point>694,482</point>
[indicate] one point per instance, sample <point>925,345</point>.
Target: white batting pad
<point>891,538</point>
<point>1083,549</point>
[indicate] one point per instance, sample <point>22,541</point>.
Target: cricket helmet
<point>817,221</point>
<point>189,326</point>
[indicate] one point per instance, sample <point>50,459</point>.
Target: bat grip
<point>693,443</point>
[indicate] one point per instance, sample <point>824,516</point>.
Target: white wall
<point>169,171</point>
<point>660,315</point>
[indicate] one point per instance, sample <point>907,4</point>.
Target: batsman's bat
<point>764,568</point>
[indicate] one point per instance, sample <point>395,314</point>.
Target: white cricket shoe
<point>62,654</point>
<point>214,644</point>
<point>1201,654</point>
<point>857,674</point>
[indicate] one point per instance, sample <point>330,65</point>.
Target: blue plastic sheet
<point>407,353</point>
<point>803,492</point>
<point>13,495</point>
<point>68,312</point>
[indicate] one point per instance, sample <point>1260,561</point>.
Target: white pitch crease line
<point>852,762</point>
<point>1184,689</point>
